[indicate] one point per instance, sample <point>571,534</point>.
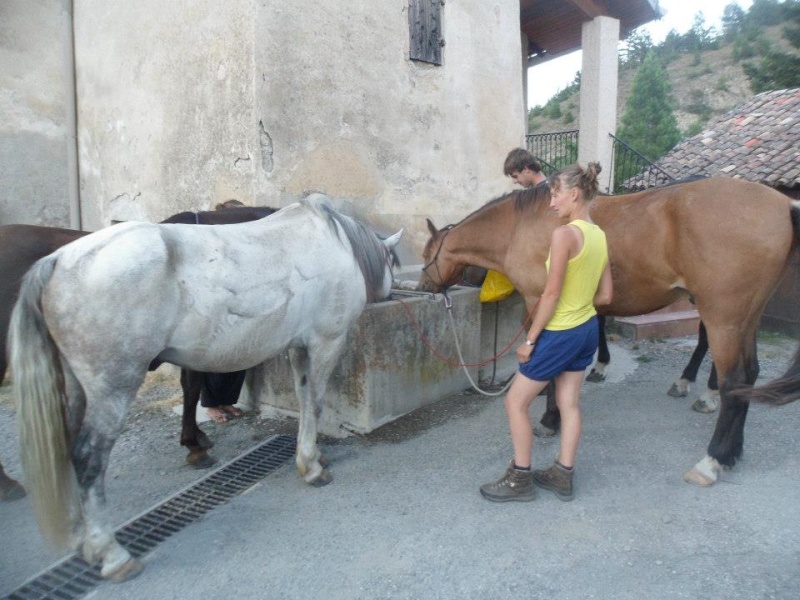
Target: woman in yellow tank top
<point>562,339</point>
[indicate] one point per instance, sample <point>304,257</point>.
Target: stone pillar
<point>599,94</point>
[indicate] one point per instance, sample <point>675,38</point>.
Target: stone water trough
<point>388,370</point>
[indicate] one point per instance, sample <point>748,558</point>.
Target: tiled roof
<point>759,142</point>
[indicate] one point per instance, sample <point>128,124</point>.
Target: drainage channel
<point>73,578</point>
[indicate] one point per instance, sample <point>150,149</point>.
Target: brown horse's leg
<point>9,488</point>
<point>737,363</point>
<point>598,372</point>
<point>550,423</point>
<point>728,441</point>
<point>191,435</point>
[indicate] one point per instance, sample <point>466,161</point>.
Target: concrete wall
<point>387,369</point>
<point>34,134</point>
<point>165,97</point>
<point>185,104</point>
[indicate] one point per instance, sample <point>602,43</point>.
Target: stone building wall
<point>181,105</point>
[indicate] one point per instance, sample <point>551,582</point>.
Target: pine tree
<point>648,124</point>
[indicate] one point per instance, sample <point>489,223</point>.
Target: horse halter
<point>447,229</point>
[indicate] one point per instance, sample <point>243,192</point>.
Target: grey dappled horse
<point>93,315</point>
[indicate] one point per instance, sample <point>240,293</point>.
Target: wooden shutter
<point>425,27</point>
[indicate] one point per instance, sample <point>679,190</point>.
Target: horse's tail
<point>794,213</point>
<point>786,389</point>
<point>39,389</point>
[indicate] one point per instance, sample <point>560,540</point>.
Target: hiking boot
<point>514,485</point>
<point>556,479</point>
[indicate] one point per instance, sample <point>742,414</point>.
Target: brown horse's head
<point>440,271</point>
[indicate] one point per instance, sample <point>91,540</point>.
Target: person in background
<point>562,338</point>
<point>220,391</point>
<point>523,168</point>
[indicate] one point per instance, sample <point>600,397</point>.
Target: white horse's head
<point>391,260</point>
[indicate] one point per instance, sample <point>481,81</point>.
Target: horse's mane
<point>534,198</point>
<point>369,252</point>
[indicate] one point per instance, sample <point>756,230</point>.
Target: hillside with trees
<point>670,91</point>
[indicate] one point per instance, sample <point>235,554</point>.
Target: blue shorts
<point>559,351</point>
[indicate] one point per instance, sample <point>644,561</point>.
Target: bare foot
<point>223,413</point>
<point>218,415</point>
<point>232,411</point>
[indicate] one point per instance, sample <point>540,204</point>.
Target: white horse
<point>94,314</point>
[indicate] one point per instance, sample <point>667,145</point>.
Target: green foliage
<point>742,49</point>
<point>636,47</point>
<point>694,129</point>
<point>733,19</point>
<point>776,70</point>
<point>552,109</point>
<point>569,117</point>
<point>648,123</point>
<point>764,13</point>
<point>722,84</point>
<point>698,105</point>
<point>700,37</point>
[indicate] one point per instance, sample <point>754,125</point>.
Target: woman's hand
<point>524,352</point>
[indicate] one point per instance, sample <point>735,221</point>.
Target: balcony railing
<point>554,150</point>
<point>632,171</point>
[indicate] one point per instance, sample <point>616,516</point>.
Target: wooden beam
<point>591,8</point>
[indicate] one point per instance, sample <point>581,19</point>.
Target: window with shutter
<point>425,27</point>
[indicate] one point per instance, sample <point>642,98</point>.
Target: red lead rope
<point>455,363</point>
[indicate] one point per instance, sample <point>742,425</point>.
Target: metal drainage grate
<point>72,577</point>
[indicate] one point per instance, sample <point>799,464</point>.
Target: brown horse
<point>23,245</point>
<point>725,242</point>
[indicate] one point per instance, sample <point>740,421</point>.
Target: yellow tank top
<point>575,305</point>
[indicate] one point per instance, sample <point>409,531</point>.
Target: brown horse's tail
<point>787,388</point>
<point>39,389</point>
<point>778,392</point>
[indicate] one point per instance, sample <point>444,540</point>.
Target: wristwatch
<point>529,343</point>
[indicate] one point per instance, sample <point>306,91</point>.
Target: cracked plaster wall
<point>182,105</point>
<point>33,136</point>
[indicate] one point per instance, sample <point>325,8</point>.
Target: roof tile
<point>758,141</point>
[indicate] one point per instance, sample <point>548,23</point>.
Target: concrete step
<point>675,323</point>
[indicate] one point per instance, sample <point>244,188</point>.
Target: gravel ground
<point>403,518</point>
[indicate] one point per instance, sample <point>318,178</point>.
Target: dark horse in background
<point>724,242</point>
<point>23,245</point>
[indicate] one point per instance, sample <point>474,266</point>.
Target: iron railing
<point>632,170</point>
<point>554,150</point>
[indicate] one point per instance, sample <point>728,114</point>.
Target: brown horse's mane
<point>535,198</point>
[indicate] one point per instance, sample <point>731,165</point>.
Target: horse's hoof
<point>324,479</point>
<point>704,473</point>
<point>200,460</point>
<point>128,570</point>
<point>702,407</point>
<point>676,392</point>
<point>695,477</point>
<point>12,491</point>
<point>544,432</point>
<point>595,376</point>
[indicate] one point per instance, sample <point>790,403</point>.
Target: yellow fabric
<point>495,287</point>
<point>576,303</point>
